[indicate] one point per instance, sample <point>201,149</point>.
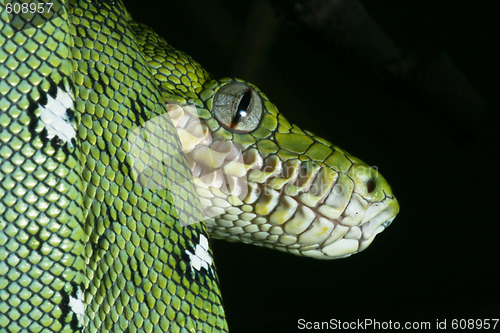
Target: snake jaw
<point>334,235</point>
<point>371,208</point>
<point>378,224</point>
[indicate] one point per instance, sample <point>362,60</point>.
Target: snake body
<point>114,146</point>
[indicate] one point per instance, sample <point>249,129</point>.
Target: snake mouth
<point>378,223</point>
<point>330,238</point>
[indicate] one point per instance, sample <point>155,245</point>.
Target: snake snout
<point>388,209</point>
<point>359,206</point>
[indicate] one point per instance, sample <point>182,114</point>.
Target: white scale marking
<point>77,306</point>
<point>200,258</point>
<point>55,117</point>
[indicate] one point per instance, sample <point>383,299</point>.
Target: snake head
<point>267,182</point>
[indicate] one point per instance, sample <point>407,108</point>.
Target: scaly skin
<point>90,240</point>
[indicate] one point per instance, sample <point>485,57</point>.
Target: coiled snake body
<point>114,145</point>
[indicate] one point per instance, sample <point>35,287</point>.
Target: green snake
<point>114,146</point>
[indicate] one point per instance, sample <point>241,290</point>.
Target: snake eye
<point>238,107</point>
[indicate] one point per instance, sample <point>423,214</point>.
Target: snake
<point>121,158</point>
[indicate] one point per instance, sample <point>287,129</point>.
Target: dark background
<point>439,259</point>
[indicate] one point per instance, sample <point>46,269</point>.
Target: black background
<point>439,259</point>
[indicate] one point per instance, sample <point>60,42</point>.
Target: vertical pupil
<point>242,106</point>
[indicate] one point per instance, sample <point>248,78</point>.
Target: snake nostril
<point>370,185</point>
